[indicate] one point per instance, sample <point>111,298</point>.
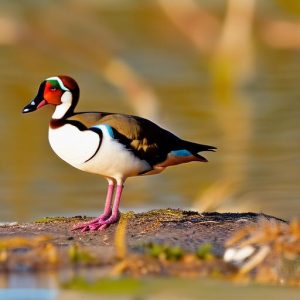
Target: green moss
<point>164,212</point>
<point>58,219</point>
<point>204,251</point>
<point>171,212</point>
<point>106,285</point>
<point>164,251</point>
<point>174,253</point>
<point>128,214</point>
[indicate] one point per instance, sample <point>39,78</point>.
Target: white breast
<point>72,145</point>
<point>112,159</point>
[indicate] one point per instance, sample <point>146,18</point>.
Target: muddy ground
<point>51,243</point>
<point>187,229</point>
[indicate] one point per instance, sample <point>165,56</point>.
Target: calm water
<point>47,288</point>
<point>256,129</point>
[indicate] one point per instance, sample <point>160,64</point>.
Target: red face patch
<point>52,94</point>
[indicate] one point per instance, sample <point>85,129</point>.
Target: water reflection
<point>28,286</point>
<point>27,294</point>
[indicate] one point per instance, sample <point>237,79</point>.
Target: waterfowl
<point>114,145</point>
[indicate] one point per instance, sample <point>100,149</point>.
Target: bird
<point>113,145</point>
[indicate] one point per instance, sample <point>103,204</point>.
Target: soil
<point>51,242</point>
<point>187,229</point>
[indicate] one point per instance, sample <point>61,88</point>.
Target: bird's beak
<point>37,102</point>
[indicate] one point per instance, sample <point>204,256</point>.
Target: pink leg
<point>102,224</point>
<point>107,209</point>
<point>115,211</point>
<point>106,213</point>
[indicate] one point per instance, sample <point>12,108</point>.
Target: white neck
<point>62,109</point>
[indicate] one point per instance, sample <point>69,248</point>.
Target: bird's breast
<point>114,160</point>
<point>73,145</point>
<point>85,151</point>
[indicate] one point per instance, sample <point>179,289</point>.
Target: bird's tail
<point>195,148</point>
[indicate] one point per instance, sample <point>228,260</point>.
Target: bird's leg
<point>115,211</point>
<point>114,217</point>
<point>107,208</point>
<point>106,213</point>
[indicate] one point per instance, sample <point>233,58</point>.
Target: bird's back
<point>141,136</point>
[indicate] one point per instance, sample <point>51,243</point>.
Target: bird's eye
<point>53,89</point>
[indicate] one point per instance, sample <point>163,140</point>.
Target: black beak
<point>37,102</point>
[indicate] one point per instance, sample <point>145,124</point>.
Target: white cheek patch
<point>61,109</point>
<point>66,97</point>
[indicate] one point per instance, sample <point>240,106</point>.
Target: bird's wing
<point>146,139</point>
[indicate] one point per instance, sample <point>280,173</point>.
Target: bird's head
<point>58,90</point>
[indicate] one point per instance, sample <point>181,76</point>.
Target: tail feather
<point>195,148</point>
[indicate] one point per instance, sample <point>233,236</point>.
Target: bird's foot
<point>99,223</point>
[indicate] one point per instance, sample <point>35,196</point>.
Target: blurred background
<point>222,72</point>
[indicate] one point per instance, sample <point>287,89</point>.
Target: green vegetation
<point>106,285</point>
<point>167,211</point>
<point>204,251</point>
<point>164,251</point>
<point>174,253</point>
<point>60,219</point>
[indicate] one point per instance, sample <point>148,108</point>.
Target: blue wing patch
<point>109,129</point>
<point>180,153</point>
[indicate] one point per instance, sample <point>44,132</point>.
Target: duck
<point>114,145</point>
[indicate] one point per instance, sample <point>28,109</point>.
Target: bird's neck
<point>66,108</point>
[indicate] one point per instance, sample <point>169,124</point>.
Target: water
<point>161,288</point>
<point>28,286</point>
<point>27,294</point>
<point>257,131</point>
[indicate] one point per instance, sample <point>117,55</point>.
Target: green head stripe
<point>57,82</point>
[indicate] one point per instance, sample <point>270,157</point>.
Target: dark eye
<point>53,89</point>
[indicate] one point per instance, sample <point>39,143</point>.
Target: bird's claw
<point>96,224</point>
